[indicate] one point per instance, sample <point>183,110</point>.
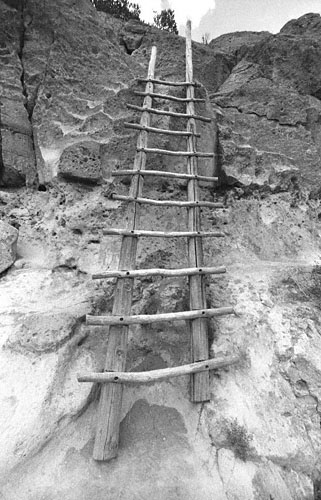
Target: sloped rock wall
<point>69,73</point>
<point>8,246</point>
<point>17,162</point>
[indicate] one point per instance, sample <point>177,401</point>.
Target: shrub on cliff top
<point>166,21</point>
<point>123,9</point>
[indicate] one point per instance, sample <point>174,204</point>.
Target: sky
<point>183,8</point>
<point>224,16</point>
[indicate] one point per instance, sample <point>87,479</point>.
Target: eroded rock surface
<point>271,108</point>
<point>8,246</point>
<point>17,165</point>
<point>68,73</point>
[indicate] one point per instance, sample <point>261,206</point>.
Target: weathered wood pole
<point>161,173</point>
<point>140,233</point>
<point>143,319</point>
<point>158,375</point>
<point>109,410</point>
<point>145,273</point>
<point>200,390</point>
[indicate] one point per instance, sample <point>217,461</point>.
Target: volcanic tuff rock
<point>67,73</point>
<point>271,125</point>
<point>234,43</point>
<point>8,245</point>
<point>17,160</point>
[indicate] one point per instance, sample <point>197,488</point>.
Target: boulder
<point>132,35</point>
<point>309,24</point>
<point>233,43</point>
<point>81,162</point>
<point>8,246</point>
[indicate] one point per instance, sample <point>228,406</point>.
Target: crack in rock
<point>1,156</point>
<point>240,110</point>
<point>31,179</point>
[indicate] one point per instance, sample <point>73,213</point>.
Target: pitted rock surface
<point>66,79</point>
<point>17,150</point>
<point>132,35</point>
<point>270,105</point>
<point>81,162</point>
<point>8,246</point>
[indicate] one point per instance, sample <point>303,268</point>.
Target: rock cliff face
<point>66,75</point>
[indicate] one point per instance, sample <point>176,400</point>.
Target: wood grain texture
<point>169,97</point>
<point>109,408</point>
<point>155,130</point>
<point>140,233</point>
<point>169,113</point>
<point>160,173</point>
<point>158,375</point>
<point>167,203</point>
<point>200,390</point>
<point>143,319</point>
<point>170,273</point>
<point>177,153</point>
<point>168,82</point>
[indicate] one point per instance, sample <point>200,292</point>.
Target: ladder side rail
<point>200,388</point>
<point>110,402</point>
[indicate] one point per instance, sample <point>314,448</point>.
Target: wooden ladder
<point>114,376</point>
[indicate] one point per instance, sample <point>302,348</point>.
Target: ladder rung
<point>159,173</point>
<point>158,375</point>
<point>143,319</point>
<point>168,97</point>
<point>170,113</point>
<point>168,203</point>
<point>162,234</point>
<point>176,153</point>
<point>145,273</point>
<point>171,84</point>
<point>155,130</point>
